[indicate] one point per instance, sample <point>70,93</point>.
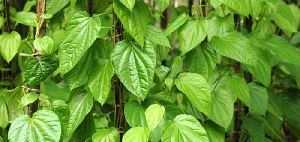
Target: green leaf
<point>135,114</point>
<point>9,45</point>
<point>176,24</point>
<point>201,60</point>
<point>195,87</point>
<point>134,66</point>
<point>37,70</point>
<point>54,6</point>
<point>239,88</point>
<point>56,91</point>
<point>29,5</point>
<point>235,46</point>
<point>4,120</point>
<point>239,6</point>
<point>255,127</point>
<point>154,114</point>
<point>162,4</point>
<point>283,16</point>
<point>43,126</point>
<point>107,135</point>
<point>259,99</point>
<point>223,99</point>
<point>156,35</point>
<point>25,18</point>
<point>45,45</point>
<point>192,34</point>
<point>220,26</point>
<point>63,112</point>
<point>78,75</point>
<point>28,99</point>
<point>215,3</point>
<point>100,85</point>
<point>185,128</point>
<point>79,106</point>
<point>2,20</point>
<point>82,31</point>
<point>128,3</point>
<point>256,7</point>
<point>136,134</point>
<point>134,22</point>
<point>215,132</point>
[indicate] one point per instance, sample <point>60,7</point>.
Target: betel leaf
<point>259,99</point>
<point>134,22</point>
<point>176,24</point>
<point>82,31</point>
<point>63,112</point>
<point>26,18</point>
<point>128,3</point>
<point>192,34</point>
<point>28,99</point>
<point>4,120</point>
<point>80,105</point>
<point>156,35</point>
<point>184,128</point>
<point>255,127</point>
<point>236,46</point>
<point>37,69</point>
<point>195,87</point>
<point>239,6</point>
<point>154,114</point>
<point>256,7</point>
<point>215,3</point>
<point>136,134</point>
<point>162,4</point>
<point>106,135</point>
<point>220,26</point>
<point>239,88</point>
<point>135,114</point>
<point>45,45</point>
<point>215,132</point>
<point>134,66</point>
<point>43,126</point>
<point>78,75</point>
<point>222,103</point>
<point>54,6</point>
<point>9,45</point>
<point>100,85</point>
<point>13,97</point>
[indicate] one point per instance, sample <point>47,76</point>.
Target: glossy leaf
<point>82,31</point>
<point>215,132</point>
<point>239,6</point>
<point>26,18</point>
<point>54,6</point>
<point>136,134</point>
<point>43,126</point>
<point>134,66</point>
<point>107,135</point>
<point>192,34</point>
<point>128,3</point>
<point>195,87</point>
<point>28,99</point>
<point>135,114</point>
<point>134,22</point>
<point>63,112</point>
<point>156,35</point>
<point>236,46</point>
<point>220,26</point>
<point>184,128</point>
<point>4,120</point>
<point>154,114</point>
<point>45,45</point>
<point>37,70</point>
<point>9,45</point>
<point>259,99</point>
<point>176,24</point>
<point>239,88</point>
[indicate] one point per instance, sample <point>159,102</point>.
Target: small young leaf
<point>9,45</point>
<point>45,45</point>
<point>176,24</point>
<point>28,99</point>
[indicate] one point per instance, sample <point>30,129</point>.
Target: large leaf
<point>195,87</point>
<point>259,99</point>
<point>43,126</point>
<point>82,31</point>
<point>37,70</point>
<point>156,35</point>
<point>100,84</point>
<point>136,134</point>
<point>107,135</point>
<point>54,6</point>
<point>236,46</point>
<point>192,34</point>
<point>9,45</point>
<point>135,114</point>
<point>3,113</point>
<point>134,66</point>
<point>185,128</point>
<point>154,114</point>
<point>128,3</point>
<point>222,103</point>
<point>79,106</point>
<point>239,6</point>
<point>134,22</point>
<point>176,24</point>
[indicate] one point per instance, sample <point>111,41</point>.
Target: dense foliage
<point>153,70</point>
